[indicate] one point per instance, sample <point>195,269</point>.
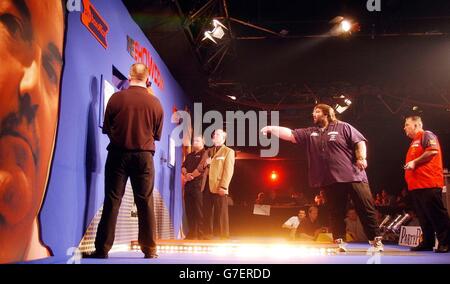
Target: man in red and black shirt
<point>424,176</point>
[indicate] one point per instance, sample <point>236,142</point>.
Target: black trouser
<point>433,216</point>
<point>193,201</point>
<point>138,166</point>
<point>337,197</point>
<point>215,207</point>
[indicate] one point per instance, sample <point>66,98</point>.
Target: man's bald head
<point>139,72</point>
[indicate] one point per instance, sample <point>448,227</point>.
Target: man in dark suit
<point>133,122</point>
<point>193,198</point>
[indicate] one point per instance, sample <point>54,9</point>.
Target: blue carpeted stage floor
<point>356,255</point>
<point>266,252</point>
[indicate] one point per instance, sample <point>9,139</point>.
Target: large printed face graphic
<point>31,48</point>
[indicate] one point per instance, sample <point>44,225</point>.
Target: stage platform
<point>268,251</point>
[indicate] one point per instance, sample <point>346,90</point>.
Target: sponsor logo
<point>95,23</point>
<point>142,55</point>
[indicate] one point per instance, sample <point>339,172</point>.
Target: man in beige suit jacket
<point>218,166</point>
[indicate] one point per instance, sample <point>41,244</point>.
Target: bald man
<point>133,122</point>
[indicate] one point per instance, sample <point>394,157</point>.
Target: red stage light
<point>274,176</point>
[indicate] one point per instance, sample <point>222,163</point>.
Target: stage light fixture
<point>403,220</point>
<point>417,110</point>
<point>216,33</point>
<point>391,225</point>
<point>346,26</point>
<point>384,223</point>
<point>342,103</point>
<point>343,26</point>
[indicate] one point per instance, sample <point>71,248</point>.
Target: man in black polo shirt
<point>193,198</point>
<point>337,155</point>
<point>133,122</point>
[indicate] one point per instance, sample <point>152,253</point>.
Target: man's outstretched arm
<point>282,132</point>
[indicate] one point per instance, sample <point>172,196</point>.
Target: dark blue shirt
<point>331,153</point>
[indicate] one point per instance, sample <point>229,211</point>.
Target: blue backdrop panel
<point>75,191</point>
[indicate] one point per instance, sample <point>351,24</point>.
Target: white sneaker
<point>376,245</point>
<point>342,245</point>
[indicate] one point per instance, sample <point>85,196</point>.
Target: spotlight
<point>417,110</point>
<point>396,220</point>
<point>343,26</point>
<point>232,97</point>
<point>217,32</point>
<point>346,26</point>
<point>343,103</point>
<point>384,222</point>
<point>284,32</point>
<point>394,225</point>
<point>404,219</point>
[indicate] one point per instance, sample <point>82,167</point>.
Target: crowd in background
<point>313,216</point>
